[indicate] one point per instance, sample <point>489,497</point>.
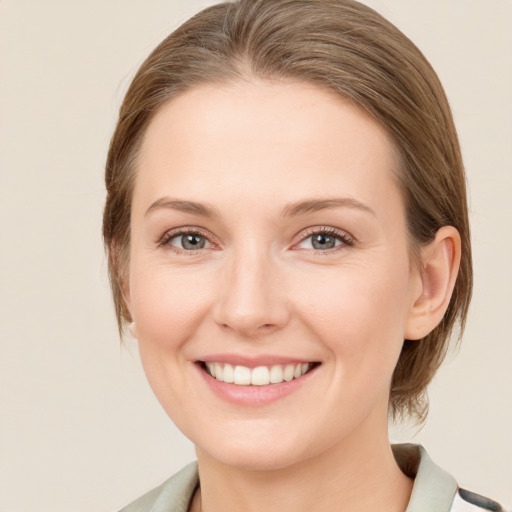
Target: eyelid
<point>347,240</point>
<point>163,240</point>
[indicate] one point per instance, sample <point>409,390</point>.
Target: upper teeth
<point>259,376</point>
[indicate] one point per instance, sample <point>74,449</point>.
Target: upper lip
<point>252,361</point>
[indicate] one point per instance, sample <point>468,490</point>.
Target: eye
<point>189,241</point>
<point>325,239</point>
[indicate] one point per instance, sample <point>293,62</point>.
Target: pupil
<point>193,242</point>
<point>321,241</point>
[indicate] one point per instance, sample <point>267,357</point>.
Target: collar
<point>434,489</point>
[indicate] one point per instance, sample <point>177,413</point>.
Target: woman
<point>288,240</point>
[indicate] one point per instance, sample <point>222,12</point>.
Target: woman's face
<point>269,239</point>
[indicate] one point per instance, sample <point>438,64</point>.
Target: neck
<point>356,475</point>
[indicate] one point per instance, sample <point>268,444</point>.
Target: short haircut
<point>341,46</point>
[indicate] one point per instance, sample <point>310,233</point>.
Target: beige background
<point>79,427</point>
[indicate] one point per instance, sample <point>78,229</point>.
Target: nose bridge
<point>251,302</point>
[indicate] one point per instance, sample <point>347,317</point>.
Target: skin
<point>247,152</point>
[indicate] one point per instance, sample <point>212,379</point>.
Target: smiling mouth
<point>259,376</point>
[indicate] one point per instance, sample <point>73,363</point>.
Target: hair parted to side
<point>342,46</point>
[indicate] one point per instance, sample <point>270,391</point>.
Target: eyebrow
<point>314,205</point>
<point>182,206</point>
<point>291,210</point>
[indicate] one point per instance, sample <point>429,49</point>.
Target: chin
<point>250,459</point>
<point>252,452</point>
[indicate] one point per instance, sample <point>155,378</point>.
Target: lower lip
<point>254,395</point>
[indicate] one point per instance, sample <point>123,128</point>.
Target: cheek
<point>359,314</point>
<point>168,304</point>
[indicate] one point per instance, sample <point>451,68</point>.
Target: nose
<point>252,301</point>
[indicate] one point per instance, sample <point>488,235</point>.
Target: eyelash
<point>166,239</point>
<point>345,239</point>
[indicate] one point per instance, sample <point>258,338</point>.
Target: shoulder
<point>173,495</point>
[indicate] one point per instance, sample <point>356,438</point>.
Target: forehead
<point>264,140</point>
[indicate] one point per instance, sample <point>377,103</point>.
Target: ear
<point>436,275</point>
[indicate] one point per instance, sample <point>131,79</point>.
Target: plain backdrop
<point>79,427</point>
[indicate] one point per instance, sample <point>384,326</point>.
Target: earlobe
<point>439,265</point>
<point>132,328</point>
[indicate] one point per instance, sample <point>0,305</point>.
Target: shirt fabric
<point>434,490</point>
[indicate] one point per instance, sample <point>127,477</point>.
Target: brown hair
<point>342,46</point>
